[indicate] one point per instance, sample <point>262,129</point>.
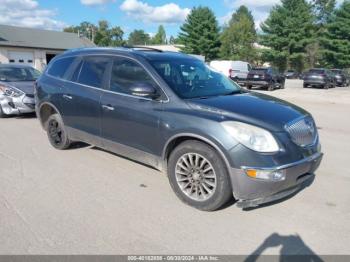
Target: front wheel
<point>2,114</point>
<point>56,132</point>
<point>271,87</point>
<point>198,176</point>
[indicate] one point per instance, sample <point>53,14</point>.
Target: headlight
<point>253,137</point>
<point>10,91</point>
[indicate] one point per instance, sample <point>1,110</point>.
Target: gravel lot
<point>87,201</point>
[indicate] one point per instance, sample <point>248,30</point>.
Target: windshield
<point>16,74</point>
<point>190,78</point>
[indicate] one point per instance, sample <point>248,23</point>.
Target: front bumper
<point>253,192</point>
<point>17,105</point>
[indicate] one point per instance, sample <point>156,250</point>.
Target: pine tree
<point>160,37</point>
<point>239,36</point>
<point>200,33</point>
<point>337,40</point>
<point>288,30</point>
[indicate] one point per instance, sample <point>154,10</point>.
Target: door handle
<point>68,97</point>
<point>108,107</point>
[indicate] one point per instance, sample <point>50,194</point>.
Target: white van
<point>236,70</point>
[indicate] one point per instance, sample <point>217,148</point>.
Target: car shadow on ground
<point>293,248</point>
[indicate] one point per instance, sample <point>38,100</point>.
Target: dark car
<point>291,74</point>
<point>341,77</point>
<point>319,77</point>
<point>170,111</point>
<point>17,89</point>
<point>265,77</point>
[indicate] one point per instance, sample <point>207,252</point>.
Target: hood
<point>25,86</point>
<point>254,108</point>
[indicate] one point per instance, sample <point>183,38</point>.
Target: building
<point>35,47</point>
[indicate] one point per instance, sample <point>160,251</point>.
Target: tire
<point>249,87</point>
<point>304,85</point>
<point>2,114</point>
<point>270,87</point>
<point>283,85</point>
<point>326,86</point>
<point>56,132</point>
<point>197,193</point>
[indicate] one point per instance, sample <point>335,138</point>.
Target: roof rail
<point>143,48</point>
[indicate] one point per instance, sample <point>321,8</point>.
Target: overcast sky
<point>128,14</point>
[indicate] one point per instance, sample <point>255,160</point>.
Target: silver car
<point>17,89</point>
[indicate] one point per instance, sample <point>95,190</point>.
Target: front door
<point>130,124</point>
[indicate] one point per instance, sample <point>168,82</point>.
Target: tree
<point>85,29</point>
<point>200,33</point>
<point>323,10</point>
<point>160,37</point>
<point>239,36</point>
<point>288,30</point>
<point>101,35</point>
<point>173,40</point>
<point>138,37</point>
<point>337,40</point>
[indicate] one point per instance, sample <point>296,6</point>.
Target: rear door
<point>81,98</point>
<point>130,124</point>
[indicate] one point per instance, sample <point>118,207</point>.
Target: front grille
<point>303,132</point>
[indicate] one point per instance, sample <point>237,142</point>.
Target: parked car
<point>319,77</point>
<point>17,89</point>
<point>291,74</point>
<point>265,77</point>
<point>236,70</point>
<point>341,77</point>
<point>170,111</point>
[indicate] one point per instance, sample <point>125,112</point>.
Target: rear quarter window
<point>60,67</point>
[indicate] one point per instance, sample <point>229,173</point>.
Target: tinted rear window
<point>59,67</point>
<point>93,70</point>
<point>317,71</point>
<point>259,71</point>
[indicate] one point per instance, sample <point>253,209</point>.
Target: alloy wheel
<point>195,176</point>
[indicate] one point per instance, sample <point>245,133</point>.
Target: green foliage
<point>85,29</point>
<point>106,36</point>
<point>160,37</point>
<point>239,36</point>
<point>288,30</point>
<point>101,35</point>
<point>337,38</point>
<point>200,33</point>
<point>323,10</point>
<point>139,37</point>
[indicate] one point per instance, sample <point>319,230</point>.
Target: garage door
<point>26,58</point>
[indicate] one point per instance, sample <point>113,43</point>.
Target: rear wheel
<point>56,132</point>
<point>270,87</point>
<point>305,85</point>
<point>2,114</point>
<point>198,176</point>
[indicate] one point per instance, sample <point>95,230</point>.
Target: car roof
<point>145,52</point>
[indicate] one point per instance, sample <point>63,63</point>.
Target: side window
<point>60,66</point>
<point>92,71</point>
<point>126,73</point>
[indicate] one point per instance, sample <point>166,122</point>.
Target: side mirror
<point>143,89</point>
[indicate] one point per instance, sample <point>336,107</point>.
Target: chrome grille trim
<point>302,131</point>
